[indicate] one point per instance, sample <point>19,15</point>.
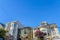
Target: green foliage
<point>2,32</point>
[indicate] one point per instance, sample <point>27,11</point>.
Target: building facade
<point>12,29</point>
<point>26,33</point>
<point>16,31</point>
<point>50,29</point>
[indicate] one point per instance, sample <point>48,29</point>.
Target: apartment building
<point>26,33</point>
<point>50,29</point>
<point>12,29</point>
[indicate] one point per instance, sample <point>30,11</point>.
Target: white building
<point>50,29</point>
<point>12,29</point>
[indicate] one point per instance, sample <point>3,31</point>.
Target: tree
<point>2,33</point>
<point>39,34</point>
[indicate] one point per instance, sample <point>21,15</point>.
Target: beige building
<point>26,33</point>
<point>50,29</point>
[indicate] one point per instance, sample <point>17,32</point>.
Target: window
<point>48,34</point>
<point>26,31</point>
<point>43,30</point>
<point>52,29</point>
<point>19,33</point>
<point>14,30</point>
<point>14,25</point>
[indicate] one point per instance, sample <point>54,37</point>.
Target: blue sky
<point>30,12</point>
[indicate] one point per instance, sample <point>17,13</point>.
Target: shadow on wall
<point>19,39</point>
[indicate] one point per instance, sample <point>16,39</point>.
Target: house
<point>26,33</point>
<point>50,29</point>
